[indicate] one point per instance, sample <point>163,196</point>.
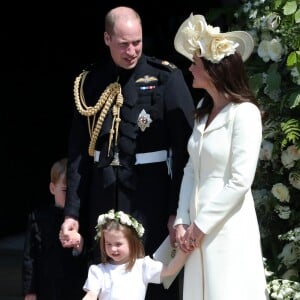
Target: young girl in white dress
<point>125,271</point>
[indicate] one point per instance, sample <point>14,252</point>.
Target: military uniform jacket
<point>148,191</point>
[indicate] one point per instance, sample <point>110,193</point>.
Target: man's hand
<point>66,233</point>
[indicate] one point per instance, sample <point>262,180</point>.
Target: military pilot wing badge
<point>149,82</point>
<point>144,120</point>
<point>146,79</point>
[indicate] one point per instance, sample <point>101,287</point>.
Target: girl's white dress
<point>216,195</point>
<point>113,282</point>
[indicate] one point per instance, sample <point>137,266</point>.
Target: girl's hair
<point>136,248</point>
<point>59,170</point>
<point>230,78</point>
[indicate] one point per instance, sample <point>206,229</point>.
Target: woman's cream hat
<point>194,36</point>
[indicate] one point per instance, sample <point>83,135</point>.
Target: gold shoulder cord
<point>112,94</point>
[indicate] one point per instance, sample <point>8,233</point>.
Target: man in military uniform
<point>128,141</point>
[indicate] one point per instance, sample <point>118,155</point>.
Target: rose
<point>270,50</point>
<point>275,50</point>
<point>294,179</point>
<point>221,47</point>
<point>283,212</point>
<point>281,192</point>
<point>289,254</point>
<point>294,152</point>
<point>266,150</point>
<point>287,160</point>
<point>273,21</point>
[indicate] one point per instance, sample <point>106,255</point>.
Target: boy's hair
<point>59,171</point>
<point>136,247</point>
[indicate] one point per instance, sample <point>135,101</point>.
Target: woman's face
<point>201,77</point>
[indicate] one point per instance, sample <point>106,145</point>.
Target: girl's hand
<point>180,233</point>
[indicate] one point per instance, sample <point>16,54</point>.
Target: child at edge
<point>125,271</point>
<point>51,272</point>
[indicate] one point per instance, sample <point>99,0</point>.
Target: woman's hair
<point>58,171</point>
<point>230,78</point>
<point>136,248</point>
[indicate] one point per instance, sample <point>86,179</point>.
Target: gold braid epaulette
<point>111,93</point>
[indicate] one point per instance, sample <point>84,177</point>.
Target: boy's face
<point>58,190</point>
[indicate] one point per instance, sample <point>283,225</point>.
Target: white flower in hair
<point>124,219</point>
<point>111,215</point>
<point>121,218</point>
<point>101,219</point>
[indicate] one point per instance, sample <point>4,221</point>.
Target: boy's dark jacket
<point>49,270</point>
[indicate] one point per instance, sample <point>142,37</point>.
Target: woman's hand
<point>192,237</point>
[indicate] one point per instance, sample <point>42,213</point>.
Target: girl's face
<point>116,246</point>
<point>201,77</point>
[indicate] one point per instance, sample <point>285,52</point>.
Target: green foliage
<point>274,69</point>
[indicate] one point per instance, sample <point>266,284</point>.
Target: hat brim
<point>245,41</point>
<point>243,38</point>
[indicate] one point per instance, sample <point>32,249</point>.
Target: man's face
<point>125,43</point>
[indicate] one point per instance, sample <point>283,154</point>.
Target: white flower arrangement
<point>287,160</point>
<point>294,179</point>
<point>281,192</point>
<point>274,73</point>
<point>270,50</point>
<point>284,212</point>
<point>121,218</point>
<point>294,152</point>
<point>266,150</point>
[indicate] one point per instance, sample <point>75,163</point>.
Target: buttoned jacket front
<point>216,195</point>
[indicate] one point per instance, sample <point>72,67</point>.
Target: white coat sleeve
<point>245,147</point>
<point>183,216</point>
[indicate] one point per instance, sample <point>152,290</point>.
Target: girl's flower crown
<point>121,218</point>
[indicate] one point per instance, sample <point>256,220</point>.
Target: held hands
<point>188,237</point>
<point>68,235</point>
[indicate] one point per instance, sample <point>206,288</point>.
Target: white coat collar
<point>223,117</point>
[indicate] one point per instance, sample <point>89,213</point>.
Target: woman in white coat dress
<point>216,219</point>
